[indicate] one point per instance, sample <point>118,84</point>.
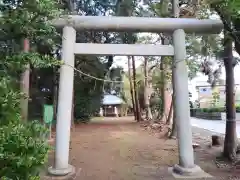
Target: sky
<point>200,79</point>
<point>122,62</point>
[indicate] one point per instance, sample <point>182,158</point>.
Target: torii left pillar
<point>64,111</point>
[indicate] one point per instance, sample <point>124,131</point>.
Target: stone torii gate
<point>177,26</point>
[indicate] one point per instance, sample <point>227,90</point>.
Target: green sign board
<point>48,114</point>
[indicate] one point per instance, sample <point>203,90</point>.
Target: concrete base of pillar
<point>61,174</point>
<point>184,173</point>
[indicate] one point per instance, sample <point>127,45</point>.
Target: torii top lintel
<point>139,24</point>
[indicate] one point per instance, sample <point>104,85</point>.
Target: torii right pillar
<point>186,167</point>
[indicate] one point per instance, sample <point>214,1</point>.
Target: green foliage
<point>126,90</point>
<point>229,12</point>
<point>87,100</point>
<point>158,78</point>
<point>215,109</point>
<point>216,97</point>
<point>11,67</point>
<point>19,61</point>
<point>86,106</point>
<point>156,103</point>
<point>230,7</point>
<point>23,150</point>
<point>161,8</point>
<point>193,68</point>
<point>28,18</point>
<point>23,147</point>
<point>238,108</point>
<point>87,91</point>
<point>114,74</point>
<point>9,100</point>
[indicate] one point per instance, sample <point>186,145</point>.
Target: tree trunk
<point>73,106</point>
<point>165,84</point>
<point>146,91</point>
<point>162,88</point>
<point>138,114</point>
<point>131,87</point>
<point>169,118</point>
<point>172,116</point>
<point>55,93</point>
<point>230,142</point>
<point>173,134</point>
<point>25,84</point>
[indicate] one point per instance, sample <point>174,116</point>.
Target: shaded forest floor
<point>121,149</point>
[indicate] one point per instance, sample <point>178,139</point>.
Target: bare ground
<point>121,149</point>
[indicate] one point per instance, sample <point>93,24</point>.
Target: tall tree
<point>131,86</point>
<point>147,90</point>
<point>175,14</point>
<point>163,9</point>
<point>228,10</point>
<point>136,99</point>
<point>20,30</point>
<point>127,8</point>
<point>25,83</point>
<point>230,143</point>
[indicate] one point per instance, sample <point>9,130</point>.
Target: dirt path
<point>121,150</point>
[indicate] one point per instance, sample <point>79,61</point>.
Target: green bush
<point>86,107</point>
<point>215,109</point>
<point>23,146</point>
<point>87,99</point>
<point>23,151</point>
<point>238,108</point>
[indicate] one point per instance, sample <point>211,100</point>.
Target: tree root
<point>223,162</point>
<point>231,162</point>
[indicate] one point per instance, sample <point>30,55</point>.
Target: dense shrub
<point>88,93</point>
<point>23,146</point>
<point>9,101</point>
<point>23,151</point>
<point>237,108</point>
<point>86,107</point>
<point>215,109</point>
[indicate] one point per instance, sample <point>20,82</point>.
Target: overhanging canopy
<point>139,24</point>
